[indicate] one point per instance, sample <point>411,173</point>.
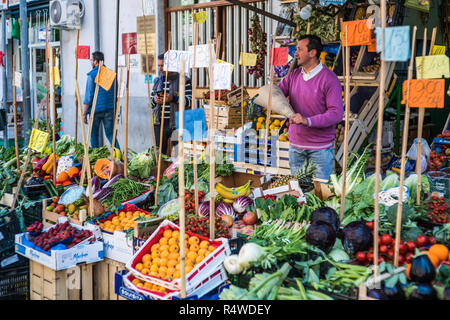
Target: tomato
<point>409,257</point>
<point>421,241</point>
<point>360,256</point>
<point>402,248</point>
<point>370,224</point>
<point>431,239</point>
<point>390,253</point>
<point>386,239</point>
<point>401,260</point>
<point>370,256</point>
<point>383,248</point>
<point>380,260</point>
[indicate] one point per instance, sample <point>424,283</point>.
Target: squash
<point>102,168</point>
<point>62,176</point>
<point>73,172</point>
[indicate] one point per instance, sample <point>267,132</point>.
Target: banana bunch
<point>229,194</point>
<point>117,154</point>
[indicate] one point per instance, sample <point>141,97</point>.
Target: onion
<point>225,209</point>
<point>240,204</point>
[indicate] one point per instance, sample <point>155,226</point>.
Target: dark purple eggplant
<point>422,270</point>
<point>113,180</point>
<point>96,185</point>
<point>377,294</point>
<point>394,293</point>
<point>423,291</point>
<point>102,194</point>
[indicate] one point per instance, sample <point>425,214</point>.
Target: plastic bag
<point>280,105</point>
<point>412,152</point>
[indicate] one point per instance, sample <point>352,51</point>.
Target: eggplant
<point>102,194</point>
<point>113,180</point>
<point>394,293</point>
<point>422,270</point>
<point>322,235</point>
<point>326,214</point>
<point>377,294</point>
<point>423,291</point>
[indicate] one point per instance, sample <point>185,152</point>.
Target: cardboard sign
<point>222,76</point>
<point>396,43</point>
<point>221,61</point>
<point>200,17</point>
<point>425,93</point>
<point>359,33</point>
<point>151,68</point>
<point>172,60</point>
<point>372,47</point>
<point>57,80</point>
<point>129,43</point>
<point>84,52</point>
<point>249,59</point>
<point>281,56</point>
<point>438,50</point>
<point>18,79</point>
<point>105,78</point>
<point>434,67</point>
<point>202,56</point>
<point>38,140</point>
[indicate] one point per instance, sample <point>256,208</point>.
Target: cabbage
<point>225,209</point>
<point>322,235</point>
<point>326,214</point>
<point>203,209</point>
<point>411,183</point>
<point>141,165</point>
<point>240,204</point>
<point>357,237</point>
<point>390,181</point>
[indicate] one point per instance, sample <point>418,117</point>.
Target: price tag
<point>18,79</point>
<point>172,60</point>
<point>425,93</point>
<point>129,43</point>
<point>396,43</point>
<point>281,56</point>
<point>359,33</point>
<point>434,67</point>
<point>222,76</point>
<point>38,140</point>
<point>202,56</point>
<point>438,50</point>
<point>249,59</point>
<point>200,17</point>
<point>83,52</point>
<point>221,61</point>
<point>105,78</point>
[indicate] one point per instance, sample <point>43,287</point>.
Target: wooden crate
<point>51,218</point>
<point>226,117</point>
<point>71,284</point>
<point>104,279</point>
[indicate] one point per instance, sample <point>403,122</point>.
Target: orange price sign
<point>105,78</point>
<point>359,33</point>
<point>425,93</point>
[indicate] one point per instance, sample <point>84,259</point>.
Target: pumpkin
<point>73,172</point>
<point>102,168</point>
<point>62,176</point>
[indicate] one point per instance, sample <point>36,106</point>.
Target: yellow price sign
<point>248,59</point>
<point>221,61</point>
<point>200,17</point>
<point>38,140</point>
<point>438,50</point>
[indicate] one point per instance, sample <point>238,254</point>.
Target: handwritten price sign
<point>105,78</point>
<point>248,59</point>
<point>83,52</point>
<point>425,93</point>
<point>359,33</point>
<point>202,56</point>
<point>222,76</point>
<point>396,43</point>
<point>200,17</point>
<point>38,140</point>
<point>434,67</point>
<point>281,56</point>
<point>172,60</point>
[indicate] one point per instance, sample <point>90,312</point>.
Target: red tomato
<point>401,260</point>
<point>383,248</point>
<point>411,246</point>
<point>431,240</point>
<point>369,224</point>
<point>390,253</point>
<point>370,256</point>
<point>409,257</point>
<point>386,239</point>
<point>360,256</point>
<point>421,241</point>
<point>402,248</point>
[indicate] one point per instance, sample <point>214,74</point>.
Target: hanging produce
<point>257,38</point>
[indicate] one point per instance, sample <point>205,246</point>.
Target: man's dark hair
<point>98,56</point>
<point>161,56</point>
<point>314,42</point>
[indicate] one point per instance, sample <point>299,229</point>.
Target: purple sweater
<point>319,100</point>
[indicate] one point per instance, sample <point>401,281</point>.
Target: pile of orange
<point>148,286</point>
<point>163,260</point>
<point>123,221</point>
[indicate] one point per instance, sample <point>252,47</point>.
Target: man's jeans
<point>107,118</point>
<point>322,158</point>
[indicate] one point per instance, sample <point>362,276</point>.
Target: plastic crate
<point>33,213</point>
<point>35,192</point>
<point>9,227</point>
<point>14,283</point>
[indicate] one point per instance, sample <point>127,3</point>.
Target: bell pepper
<point>41,163</point>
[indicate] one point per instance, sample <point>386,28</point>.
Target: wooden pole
<point>91,121</point>
<point>16,138</point>
<point>47,83</point>
<point>147,74</point>
<point>116,117</point>
<point>162,128</point>
<point>269,107</point>
<point>54,117</point>
<point>403,155</point>
<point>379,146</point>
<point>347,116</point>
<point>194,106</point>
<point>181,180</point>
<point>242,85</point>
<point>76,79</point>
<point>212,158</point>
<point>421,112</point>
<point>86,151</point>
<point>125,147</point>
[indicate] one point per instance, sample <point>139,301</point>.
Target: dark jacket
<point>105,99</point>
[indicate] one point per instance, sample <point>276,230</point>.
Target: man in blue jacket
<point>104,109</point>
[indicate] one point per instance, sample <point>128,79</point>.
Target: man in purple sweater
<point>315,94</point>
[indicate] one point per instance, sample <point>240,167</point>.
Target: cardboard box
<point>63,259</point>
<point>240,178</point>
<point>322,189</point>
<point>292,188</point>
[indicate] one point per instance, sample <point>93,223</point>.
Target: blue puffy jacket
<point>105,99</point>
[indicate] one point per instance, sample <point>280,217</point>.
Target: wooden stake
<point>47,83</point>
<point>212,158</point>
<point>116,118</point>
<point>91,121</point>
<point>54,118</point>
<point>162,129</point>
<point>181,180</point>
<point>403,155</point>
<point>269,107</point>
<point>125,147</point>
<point>194,106</point>
<point>381,97</point>
<point>86,151</point>
<point>148,83</point>
<point>347,116</point>
<point>242,87</point>
<point>16,137</point>
<point>76,79</point>
<point>308,28</point>
<point>421,118</point>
